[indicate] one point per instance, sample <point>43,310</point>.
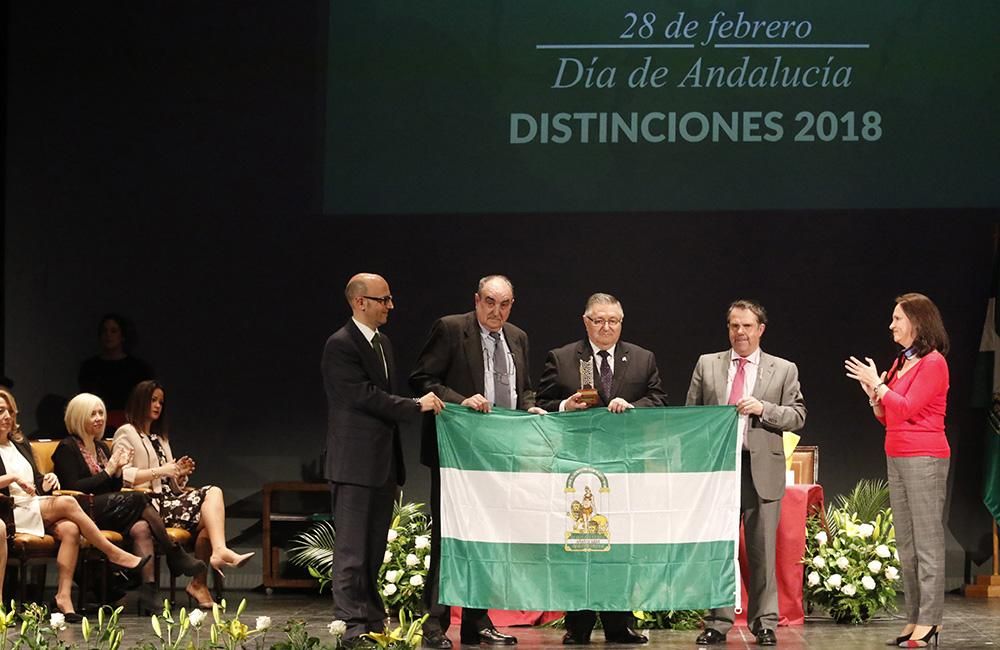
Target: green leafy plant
<point>233,633</point>
<point>7,618</point>
<point>685,619</point>
<point>404,566</point>
<point>852,567</point>
<point>406,636</point>
<point>313,549</point>
<point>39,629</point>
<point>297,637</point>
<point>108,633</point>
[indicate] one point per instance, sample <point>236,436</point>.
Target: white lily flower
<point>196,617</point>
<point>263,622</point>
<point>866,530</point>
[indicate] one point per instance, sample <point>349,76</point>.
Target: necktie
<point>501,378</point>
<point>606,376</point>
<point>377,345</point>
<point>736,392</point>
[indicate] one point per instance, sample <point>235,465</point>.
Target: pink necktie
<point>736,392</point>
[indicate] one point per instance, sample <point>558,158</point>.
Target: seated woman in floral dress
<point>202,510</point>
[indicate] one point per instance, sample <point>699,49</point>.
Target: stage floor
<point>968,624</point>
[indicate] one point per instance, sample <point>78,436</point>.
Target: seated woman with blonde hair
<point>60,515</point>
<point>201,511</point>
<point>85,463</point>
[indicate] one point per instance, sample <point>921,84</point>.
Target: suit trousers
<point>580,624</point>
<point>439,615</point>
<point>760,529</point>
<point>917,489</point>
<point>361,516</point>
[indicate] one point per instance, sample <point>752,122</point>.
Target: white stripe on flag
<point>532,508</point>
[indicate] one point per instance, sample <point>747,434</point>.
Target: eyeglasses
<point>385,300</point>
<point>601,322</point>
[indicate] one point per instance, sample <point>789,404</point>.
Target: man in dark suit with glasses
<point>364,459</point>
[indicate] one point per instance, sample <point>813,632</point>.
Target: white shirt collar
<point>596,349</point>
<point>367,331</point>
<point>754,357</point>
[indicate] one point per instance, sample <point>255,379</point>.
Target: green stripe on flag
<point>673,439</point>
<point>651,577</point>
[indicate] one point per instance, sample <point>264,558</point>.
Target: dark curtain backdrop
<point>164,161</point>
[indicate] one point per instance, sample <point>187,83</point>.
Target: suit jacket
<point>363,409</point>
<point>74,473</point>
<point>636,377</point>
<point>777,386</point>
<point>144,457</point>
<point>451,365</point>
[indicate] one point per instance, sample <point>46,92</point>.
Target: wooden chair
<point>43,450</point>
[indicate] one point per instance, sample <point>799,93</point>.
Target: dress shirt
<point>369,334</point>
<point>749,381</point>
<point>489,346</point>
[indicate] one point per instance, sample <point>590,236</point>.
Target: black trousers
<point>361,516</point>
<point>580,624</point>
<point>473,620</point>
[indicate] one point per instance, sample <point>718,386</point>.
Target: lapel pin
<point>624,358</point>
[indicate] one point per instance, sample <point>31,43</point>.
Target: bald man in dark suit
<point>364,459</point>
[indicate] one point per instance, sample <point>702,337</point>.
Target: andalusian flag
<point>988,396</point>
<point>590,510</point>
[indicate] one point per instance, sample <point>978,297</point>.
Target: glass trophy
<point>588,394</point>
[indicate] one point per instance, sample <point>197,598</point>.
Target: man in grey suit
<point>765,391</point>
<point>625,376</point>
<point>477,360</point>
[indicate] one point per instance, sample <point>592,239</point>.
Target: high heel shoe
<point>899,639</point>
<point>925,640</point>
<point>133,575</point>
<point>69,617</point>
<point>217,562</point>
<point>202,604</point>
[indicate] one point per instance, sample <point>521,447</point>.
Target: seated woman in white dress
<point>59,515</point>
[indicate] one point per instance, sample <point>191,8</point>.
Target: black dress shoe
<point>710,636</point>
<point>571,639</point>
<point>489,636</point>
<point>437,640</point>
<point>766,637</point>
<point>628,635</point>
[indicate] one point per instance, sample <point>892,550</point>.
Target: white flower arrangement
<point>407,558</point>
<point>851,567</point>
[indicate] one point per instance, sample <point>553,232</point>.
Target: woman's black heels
<point>924,641</point>
<point>69,617</point>
<point>133,576</point>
